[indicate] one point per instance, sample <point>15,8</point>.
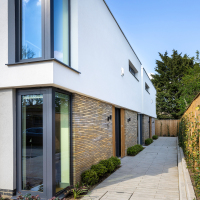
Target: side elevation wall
<point>130,129</point>
<point>92,133</point>
<point>145,128</point>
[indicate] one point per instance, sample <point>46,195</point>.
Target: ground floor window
<point>62,140</point>
<point>44,148</point>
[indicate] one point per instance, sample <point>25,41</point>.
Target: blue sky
<point>153,26</point>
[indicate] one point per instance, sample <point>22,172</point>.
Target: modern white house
<point>72,92</point>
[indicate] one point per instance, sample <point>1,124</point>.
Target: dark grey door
<point>118,132</point>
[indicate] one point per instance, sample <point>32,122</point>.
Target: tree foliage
<point>168,81</point>
<point>190,87</point>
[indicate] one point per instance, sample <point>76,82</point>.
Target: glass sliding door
<point>32,142</point>
<point>62,141</point>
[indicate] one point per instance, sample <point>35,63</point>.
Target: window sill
<point>38,61</point>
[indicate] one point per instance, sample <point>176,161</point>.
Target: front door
<point>31,136</point>
<point>118,132</point>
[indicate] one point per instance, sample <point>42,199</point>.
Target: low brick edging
<point>186,190</point>
<point>7,193</point>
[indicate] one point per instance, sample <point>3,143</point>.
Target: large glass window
<point>32,142</point>
<point>61,30</point>
<point>62,141</point>
<point>43,118</point>
<point>31,29</point>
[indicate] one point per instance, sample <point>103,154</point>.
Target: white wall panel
<point>7,139</point>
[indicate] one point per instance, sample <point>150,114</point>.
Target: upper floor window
<point>147,88</point>
<point>39,30</point>
<point>133,70</point>
<point>61,30</point>
<point>31,29</point>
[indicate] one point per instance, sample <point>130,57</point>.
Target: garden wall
<point>166,127</point>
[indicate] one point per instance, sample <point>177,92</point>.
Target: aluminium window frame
<point>147,89</point>
<point>14,33</point>
<point>130,70</point>
<point>54,90</point>
<point>46,162</point>
<point>19,32</point>
<point>48,140</point>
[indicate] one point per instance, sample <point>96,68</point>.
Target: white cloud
<point>26,1</point>
<point>38,3</point>
<point>150,75</point>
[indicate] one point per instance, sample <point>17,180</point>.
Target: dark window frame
<point>133,72</point>
<point>14,33</point>
<point>49,138</point>
<point>147,87</point>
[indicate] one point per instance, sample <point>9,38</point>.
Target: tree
<point>167,81</point>
<point>27,53</point>
<point>190,86</point>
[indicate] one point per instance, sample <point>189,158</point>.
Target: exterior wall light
<point>129,119</point>
<point>122,72</point>
<point>109,117</point>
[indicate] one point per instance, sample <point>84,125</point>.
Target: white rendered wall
<point>98,50</point>
<point>102,52</point>
<point>7,139</point>
<point>148,99</point>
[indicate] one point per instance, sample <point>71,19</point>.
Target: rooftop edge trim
<point>121,30</point>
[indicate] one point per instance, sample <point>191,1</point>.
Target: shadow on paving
<point>152,174</point>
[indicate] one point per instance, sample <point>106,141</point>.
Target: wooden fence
<point>166,127</point>
<point>189,136</point>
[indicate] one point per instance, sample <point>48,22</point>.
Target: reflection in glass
<point>62,141</point>
<point>32,142</point>
<point>61,30</point>
<point>31,46</point>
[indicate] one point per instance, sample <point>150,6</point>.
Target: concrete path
<point>152,174</point>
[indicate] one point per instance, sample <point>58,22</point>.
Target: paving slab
<point>152,174</point>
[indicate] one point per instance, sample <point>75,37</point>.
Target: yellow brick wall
<point>145,127</point>
<point>130,129</point>
<point>92,133</point>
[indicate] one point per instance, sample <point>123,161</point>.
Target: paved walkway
<point>152,174</point>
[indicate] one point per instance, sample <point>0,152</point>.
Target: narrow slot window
<point>147,88</point>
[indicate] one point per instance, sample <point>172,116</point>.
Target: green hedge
<point>116,161</point>
<point>155,137</point>
<point>148,141</point>
<point>134,150</point>
<point>91,177</point>
<point>99,169</point>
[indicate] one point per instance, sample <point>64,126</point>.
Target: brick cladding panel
<point>130,129</point>
<point>145,127</point>
<point>153,126</point>
<point>92,133</point>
